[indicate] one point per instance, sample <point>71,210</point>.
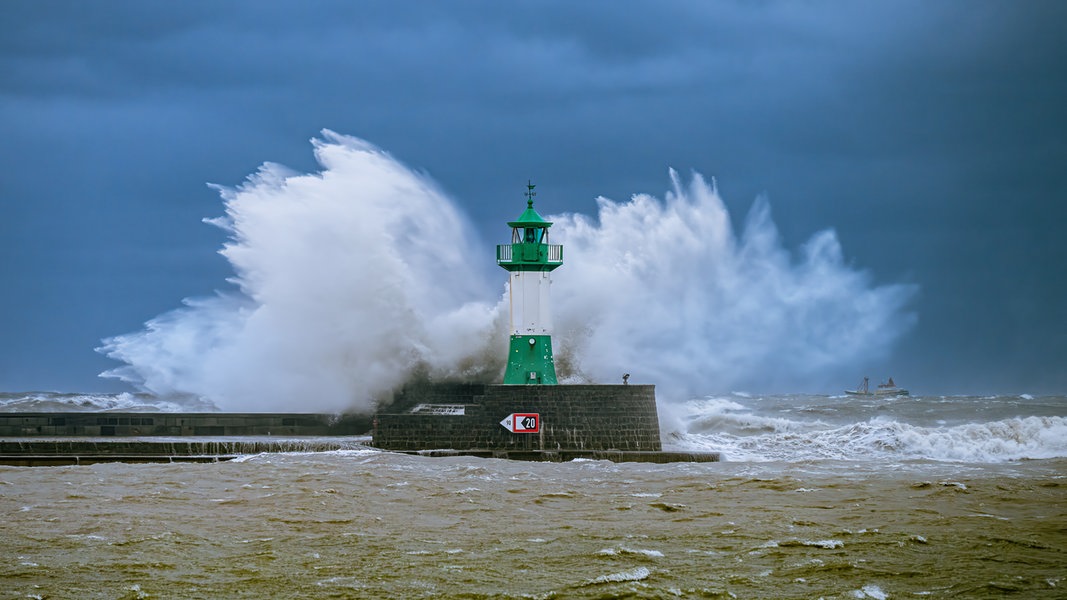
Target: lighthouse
<point>531,416</point>
<point>530,260</point>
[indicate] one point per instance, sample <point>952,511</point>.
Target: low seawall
<point>37,452</point>
<point>620,456</point>
<point>138,424</point>
<point>596,422</point>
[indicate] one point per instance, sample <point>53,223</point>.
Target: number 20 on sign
<point>522,422</point>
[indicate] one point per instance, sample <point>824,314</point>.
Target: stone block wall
<point>573,417</point>
<point>179,424</point>
<point>433,393</point>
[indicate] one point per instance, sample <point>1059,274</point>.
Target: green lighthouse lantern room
<point>530,259</point>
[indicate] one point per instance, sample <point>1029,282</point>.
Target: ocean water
<point>819,497</point>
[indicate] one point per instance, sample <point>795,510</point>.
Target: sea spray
<point>349,281</point>
<point>355,279</point>
<point>795,428</point>
<point>665,291</point>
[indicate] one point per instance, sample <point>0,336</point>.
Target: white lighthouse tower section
<point>530,306</point>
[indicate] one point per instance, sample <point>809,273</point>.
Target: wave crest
<point>353,280</point>
<point>744,436</point>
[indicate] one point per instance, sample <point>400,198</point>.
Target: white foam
<point>351,279</point>
<point>741,435</point>
<point>828,544</point>
<point>348,582</point>
<point>632,575</point>
<point>620,550</point>
<point>120,402</point>
<point>870,591</point>
<point>667,290</point>
<point>341,294</point>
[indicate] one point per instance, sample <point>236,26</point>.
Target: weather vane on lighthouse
<point>529,258</point>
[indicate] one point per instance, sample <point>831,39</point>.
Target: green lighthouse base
<point>530,361</point>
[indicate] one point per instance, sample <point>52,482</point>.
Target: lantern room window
<point>529,235</point>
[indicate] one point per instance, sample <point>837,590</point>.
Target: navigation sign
<point>522,423</point>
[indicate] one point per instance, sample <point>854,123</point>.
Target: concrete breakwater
<point>34,452</point>
<point>658,456</point>
<point>569,417</point>
<point>520,422</point>
<point>139,424</point>
<point>87,451</point>
<point>44,439</point>
<point>562,422</point>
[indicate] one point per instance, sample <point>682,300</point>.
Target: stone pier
<point>126,424</point>
<point>609,422</point>
<point>599,422</point>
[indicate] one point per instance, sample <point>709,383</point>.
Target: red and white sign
<point>522,423</point>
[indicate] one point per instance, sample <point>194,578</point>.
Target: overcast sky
<point>932,136</point>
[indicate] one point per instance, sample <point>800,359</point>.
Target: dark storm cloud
<point>929,135</point>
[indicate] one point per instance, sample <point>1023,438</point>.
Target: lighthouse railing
<point>505,253</point>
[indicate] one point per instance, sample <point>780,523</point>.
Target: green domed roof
<point>529,217</point>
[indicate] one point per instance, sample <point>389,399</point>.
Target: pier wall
<point>573,417</point>
<point>97,424</point>
<point>597,422</point>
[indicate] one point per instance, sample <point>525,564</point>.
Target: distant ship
<point>884,389</point>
